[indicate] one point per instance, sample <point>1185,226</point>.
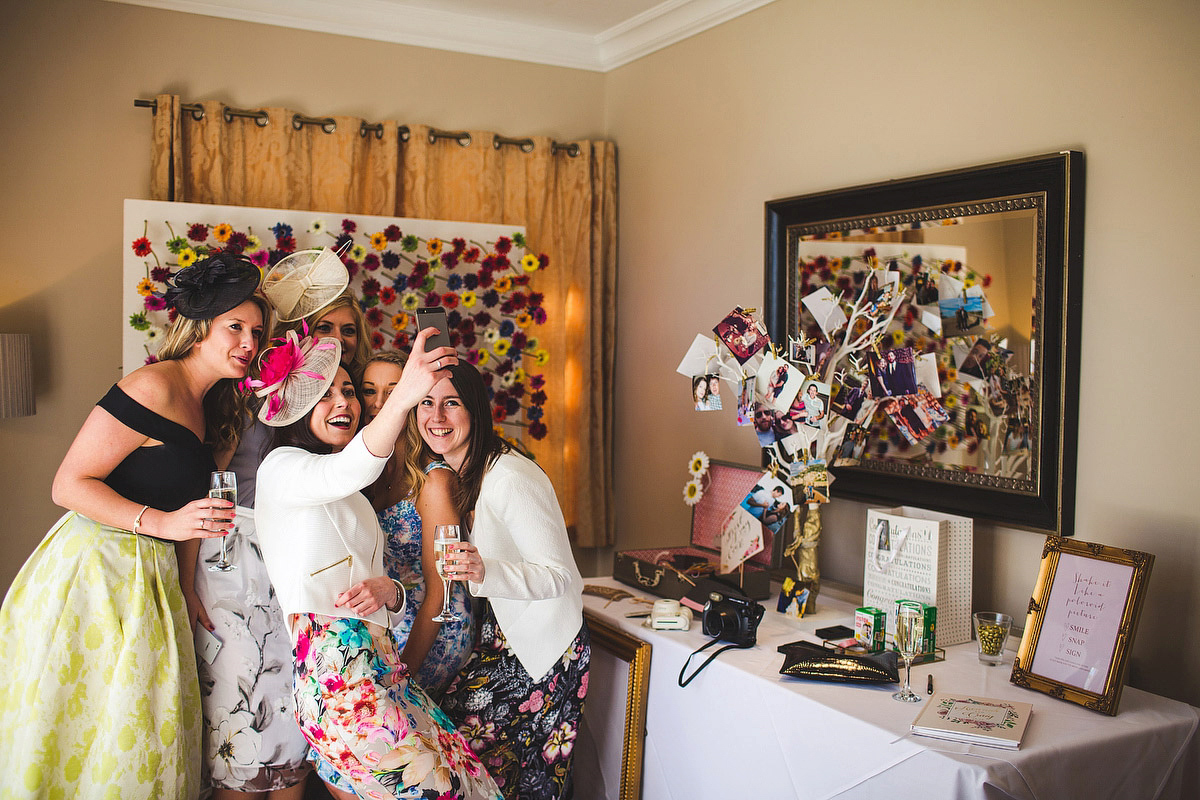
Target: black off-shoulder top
<point>166,476</point>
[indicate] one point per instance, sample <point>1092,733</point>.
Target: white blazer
<point>530,576</point>
<point>318,532</point>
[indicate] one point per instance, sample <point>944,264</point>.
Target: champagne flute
<point>222,484</point>
<point>443,537</point>
<point>909,620</point>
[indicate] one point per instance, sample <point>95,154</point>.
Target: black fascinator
<point>212,286</point>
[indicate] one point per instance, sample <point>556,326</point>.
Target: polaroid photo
<point>826,310</point>
<point>801,353</point>
<point>925,368</point>
<point>815,395</point>
<point>891,374</point>
<point>925,289</point>
<point>764,424</point>
<point>848,397</point>
<point>769,501</point>
<point>974,423</point>
<point>706,392</point>
<point>851,448</point>
<point>815,479</point>
<point>962,315</point>
<point>799,445</point>
<point>973,362</point>
<point>777,382</point>
<point>745,407</point>
<point>742,334</point>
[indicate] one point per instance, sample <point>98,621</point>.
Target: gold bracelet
<point>138,519</point>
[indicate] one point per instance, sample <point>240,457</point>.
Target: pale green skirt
<point>98,694</point>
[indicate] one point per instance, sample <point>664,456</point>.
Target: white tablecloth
<point>742,730</point>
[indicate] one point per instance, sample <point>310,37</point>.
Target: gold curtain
<point>568,206</point>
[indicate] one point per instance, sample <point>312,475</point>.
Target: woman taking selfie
<point>323,548</point>
<point>100,692</point>
<point>519,698</point>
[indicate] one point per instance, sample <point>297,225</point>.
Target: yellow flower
<point>399,321</point>
<point>503,284</point>
<point>255,243</point>
<point>699,464</point>
<point>519,374</point>
<point>410,301</point>
<point>145,287</point>
<point>949,401</point>
<point>541,356</point>
<point>501,347</point>
<point>523,320</point>
<point>434,246</point>
<point>468,298</point>
<point>897,337</point>
<point>484,358</point>
<point>951,374</point>
<point>969,281</point>
<point>358,252</point>
<point>530,262</point>
<point>222,232</point>
<point>187,257</point>
<point>692,492</point>
<point>378,241</point>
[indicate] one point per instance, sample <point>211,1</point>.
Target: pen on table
<point>929,685</point>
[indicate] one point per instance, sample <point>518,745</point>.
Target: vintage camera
<point>731,618</point>
<point>669,615</point>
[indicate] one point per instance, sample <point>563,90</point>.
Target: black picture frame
<point>1053,186</point>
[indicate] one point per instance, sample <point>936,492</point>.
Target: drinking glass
<point>223,484</point>
<point>443,537</point>
<point>991,630</point>
<point>909,623</point>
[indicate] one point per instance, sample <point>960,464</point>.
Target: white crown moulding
<point>664,24</point>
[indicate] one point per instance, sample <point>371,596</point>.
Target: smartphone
<point>207,644</point>
<point>434,318</point>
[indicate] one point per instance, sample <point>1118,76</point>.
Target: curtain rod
<point>329,125</point>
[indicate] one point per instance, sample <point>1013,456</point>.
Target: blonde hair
<point>225,408</point>
<point>355,362</point>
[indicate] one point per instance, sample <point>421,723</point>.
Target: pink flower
<point>332,681</point>
<point>583,686</point>
<point>534,703</point>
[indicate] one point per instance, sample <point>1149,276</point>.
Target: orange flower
<point>222,232</point>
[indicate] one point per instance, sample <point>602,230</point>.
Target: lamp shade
<point>16,375</point>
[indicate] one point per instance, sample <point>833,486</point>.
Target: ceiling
<point>594,35</point>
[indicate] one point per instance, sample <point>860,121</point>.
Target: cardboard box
<point>928,626</point>
<point>870,626</point>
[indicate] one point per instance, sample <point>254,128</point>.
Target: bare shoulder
<point>153,385</point>
<point>441,479</point>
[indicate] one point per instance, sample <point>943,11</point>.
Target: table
<point>742,730</point>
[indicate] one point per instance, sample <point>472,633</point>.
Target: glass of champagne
<point>909,622</point>
<point>223,484</point>
<point>444,536</point>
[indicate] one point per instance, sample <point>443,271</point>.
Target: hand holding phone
<point>434,318</point>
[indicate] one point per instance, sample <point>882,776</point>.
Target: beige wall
<point>795,97</point>
<point>805,96</point>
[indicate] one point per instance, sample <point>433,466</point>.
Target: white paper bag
<point>926,556</point>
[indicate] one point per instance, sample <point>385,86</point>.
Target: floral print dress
<point>522,729</point>
<point>357,707</point>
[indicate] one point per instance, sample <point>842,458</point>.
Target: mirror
<point>989,263</point>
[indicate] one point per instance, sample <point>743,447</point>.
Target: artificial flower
<point>541,356</point>
<point>523,319</point>
<point>138,321</point>
<point>409,243</point>
<point>699,464</point>
<point>197,232</point>
<point>222,232</point>
<point>399,321</point>
<point>503,245</point>
<point>530,263</point>
<point>433,245</point>
<point>501,347</point>
<point>504,284</point>
<point>187,257</point>
<point>349,226</point>
<point>491,336</point>
<point>692,492</point>
<point>379,240</point>
<point>450,300</point>
<point>387,295</point>
<point>358,252</point>
<point>141,247</point>
<point>410,301</point>
<point>175,244</point>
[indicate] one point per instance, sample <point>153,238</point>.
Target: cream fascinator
<point>305,282</point>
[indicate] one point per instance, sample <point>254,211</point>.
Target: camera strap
<point>707,661</point>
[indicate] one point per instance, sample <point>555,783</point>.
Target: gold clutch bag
<point>813,662</point>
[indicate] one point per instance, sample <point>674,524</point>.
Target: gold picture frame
<point>1082,618</point>
<point>611,640</point>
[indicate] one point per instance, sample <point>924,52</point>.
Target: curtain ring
<point>571,149</point>
<point>260,117</point>
<point>525,145</point>
<point>327,124</point>
<point>462,137</point>
<point>364,128</point>
<point>404,133</point>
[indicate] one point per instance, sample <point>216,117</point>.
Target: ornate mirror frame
<point>1049,189</point>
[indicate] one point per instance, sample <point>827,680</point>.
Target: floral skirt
<point>379,730</point>
<point>251,742</point>
<point>99,696</point>
<point>523,730</point>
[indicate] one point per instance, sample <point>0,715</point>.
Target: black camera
<point>731,618</point>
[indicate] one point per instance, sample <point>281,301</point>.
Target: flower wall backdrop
<point>481,274</point>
